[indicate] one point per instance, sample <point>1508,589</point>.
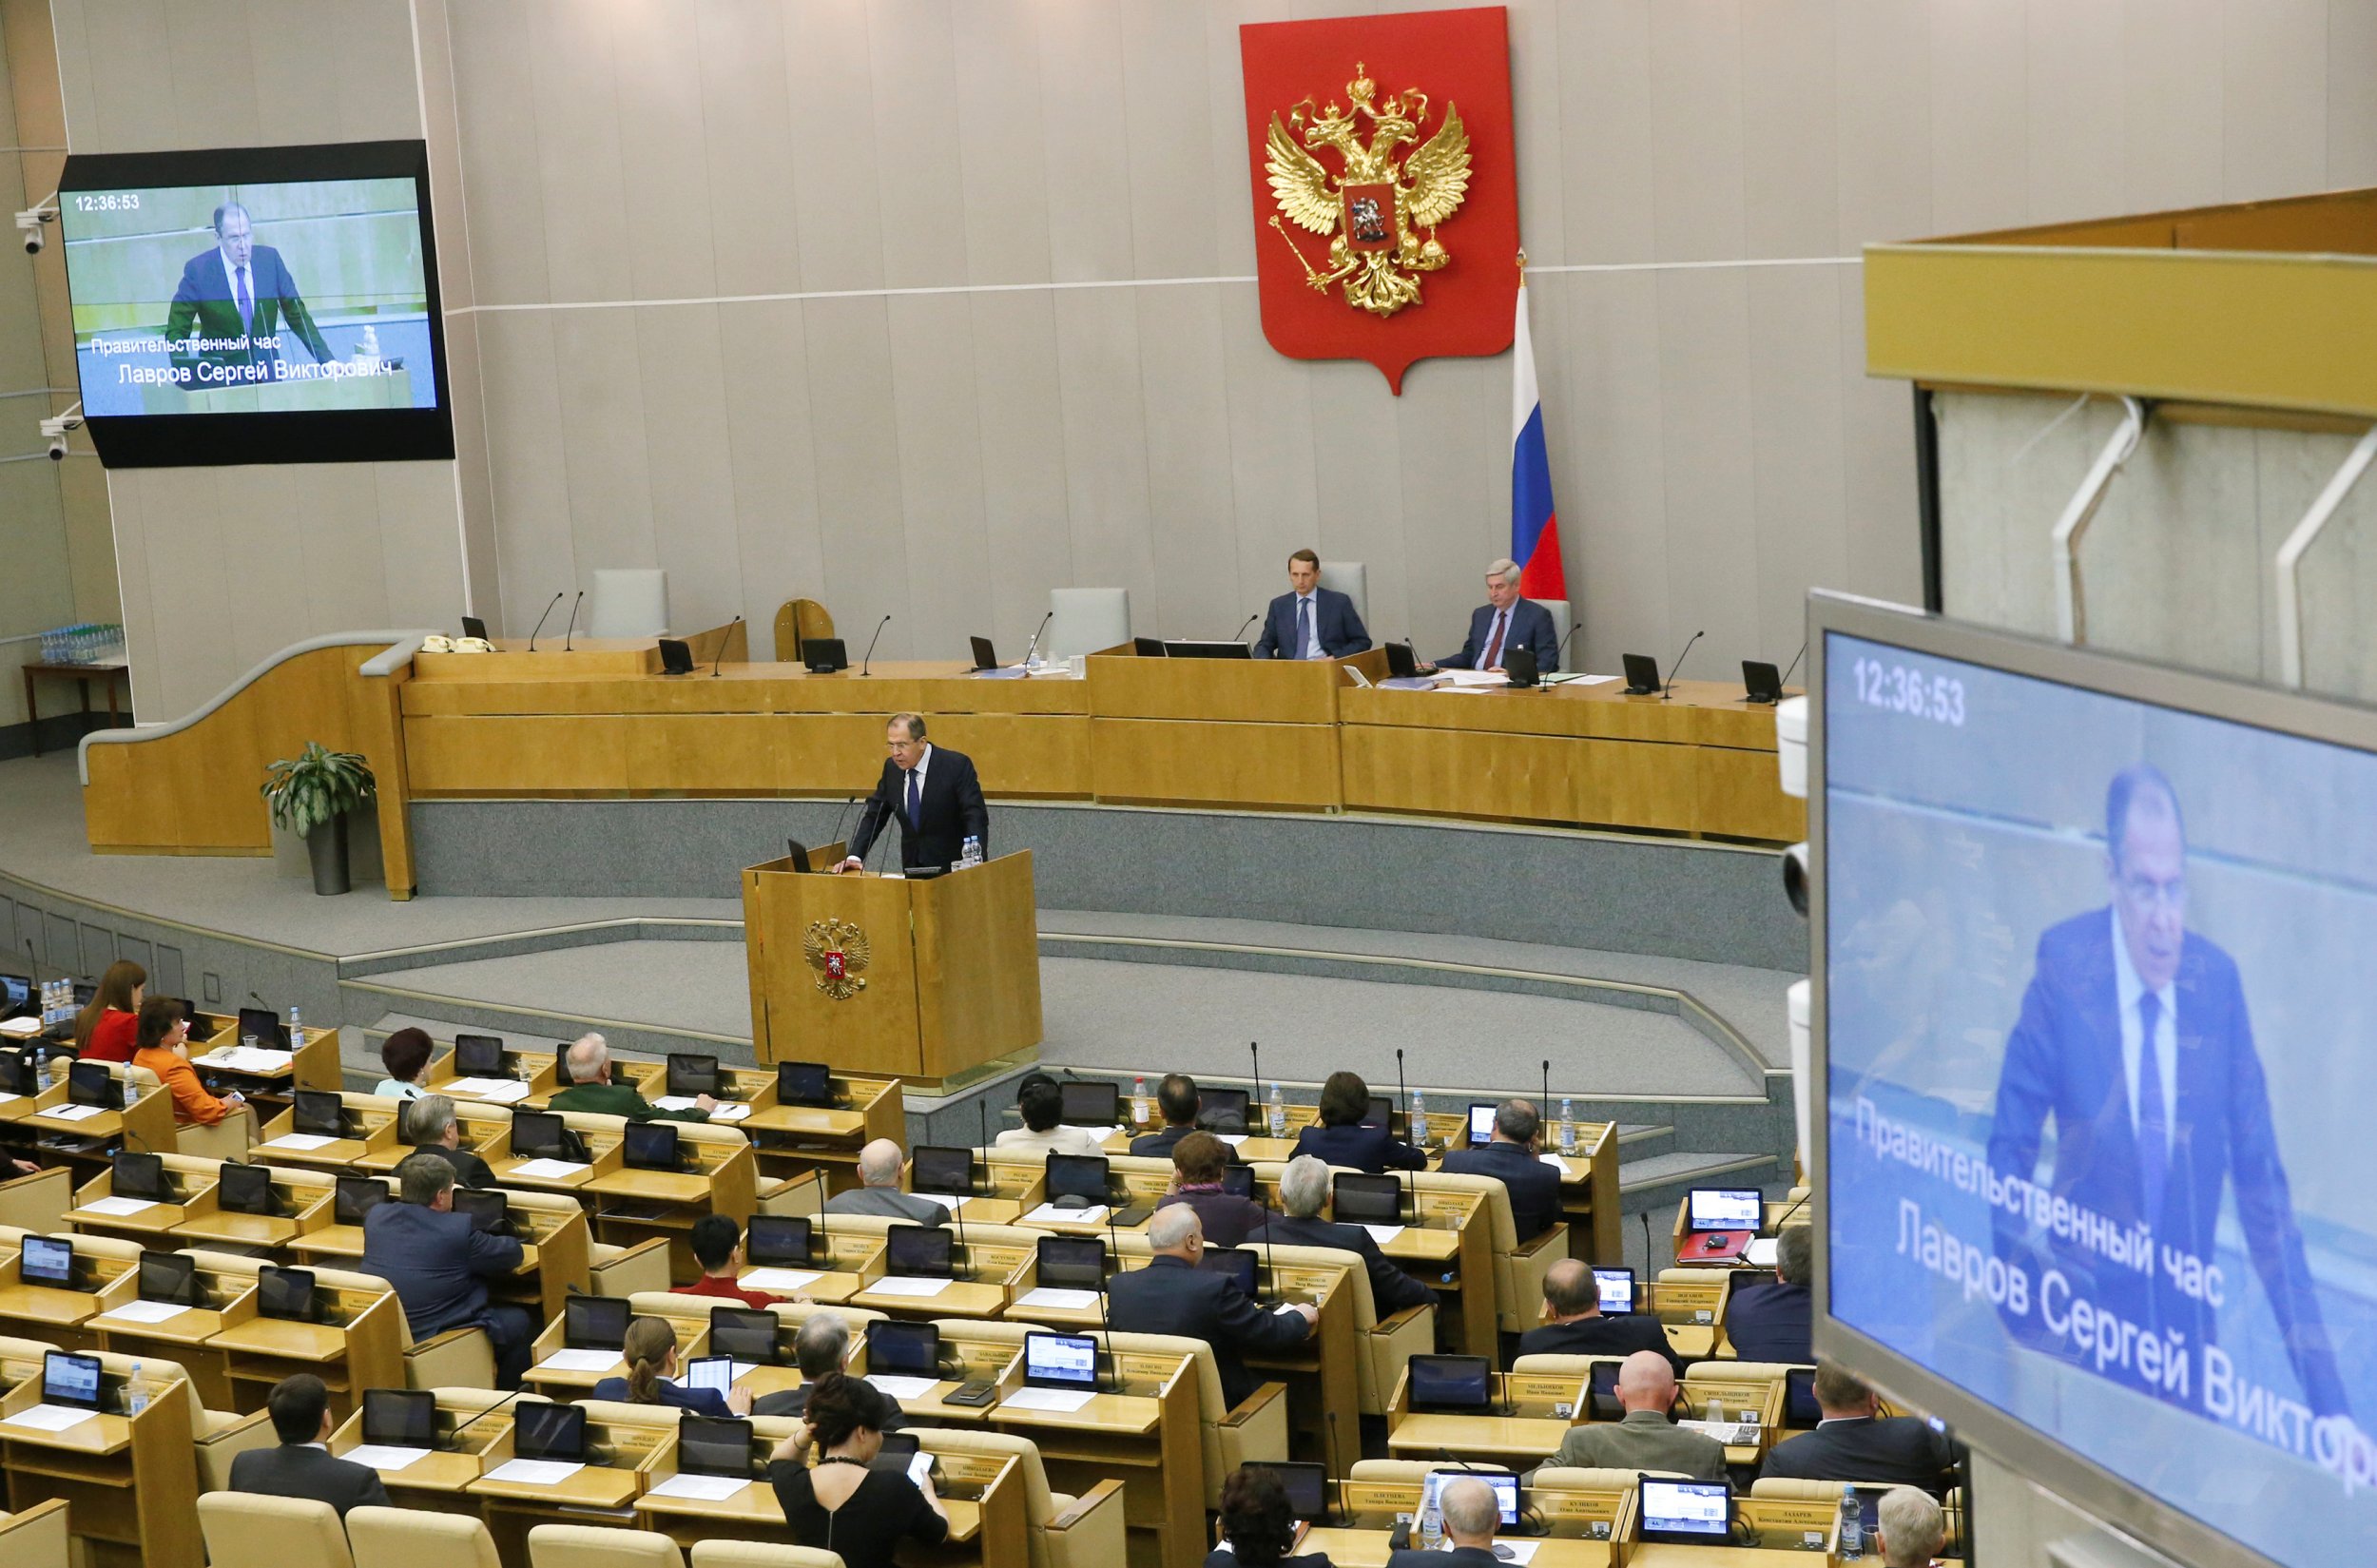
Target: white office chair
<point>1087,620</point>
<point>1352,579</point>
<point>1559,625</point>
<point>629,604</point>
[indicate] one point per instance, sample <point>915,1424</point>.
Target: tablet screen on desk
<point>1061,1361</point>
<point>17,1073</point>
<point>777,1241</point>
<point>90,1083</point>
<point>746,1333</point>
<point>942,1168</point>
<point>401,1417</point>
<point>1686,1513</point>
<point>594,1323</point>
<point>715,1373</point>
<point>169,1277</point>
<point>650,1146</point>
<point>1480,1125</point>
<point>1505,1490</point>
<point>1359,1199</point>
<point>1238,1181</point>
<point>1223,1110</point>
<point>1601,1389</point>
<point>550,1432</point>
<point>917,1251</point>
<point>908,1349</point>
<point>478,1056</point>
<point>47,1261</point>
<point>1092,1104</point>
<point>804,1083</point>
<point>1727,1208</point>
<point>318,1112</point>
<point>1617,1290</point>
<point>138,1175</point>
<point>357,1196</point>
<point>1451,1383</point>
<point>1234,1264</point>
<point>1799,1398</point>
<point>262,1025</point>
<point>691,1074</point>
<point>1307,1486</point>
<point>536,1134</point>
<point>486,1205</point>
<point>708,1446</point>
<point>1077,1176</point>
<point>242,1188</point>
<point>1073,1262</point>
<point>286,1293</point>
<point>69,1380</point>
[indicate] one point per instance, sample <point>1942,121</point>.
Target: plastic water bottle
<point>1431,1527</point>
<point>1715,1415</point>
<point>297,1028</point>
<point>1278,1112</point>
<point>1852,1525</point>
<point>1139,1100</point>
<point>1419,1119</point>
<point>970,852</point>
<point>1567,1127</point>
<point>136,1391</point>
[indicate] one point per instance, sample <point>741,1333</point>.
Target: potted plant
<point>310,797</point>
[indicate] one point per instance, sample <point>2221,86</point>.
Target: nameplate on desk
<point>902,1284</point>
<point>145,1312</point>
<point>1058,1297</point>
<point>1049,1213</point>
<point>777,1279</point>
<point>950,1201</point>
<point>302,1142</point>
<point>118,1207</point>
<point>535,1471</point>
<point>490,1089</point>
<point>1731,1433</point>
<point>900,1388</point>
<point>1064,1401</point>
<point>1383,1234</point>
<point>49,1418</point>
<point>247,1058</point>
<point>72,1112</point>
<point>386,1458</point>
<point>543,1170</point>
<point>579,1360</point>
<point>698,1488</point>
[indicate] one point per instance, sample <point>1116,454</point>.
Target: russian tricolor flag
<point>1535,526</point>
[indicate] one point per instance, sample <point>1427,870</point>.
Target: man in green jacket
<point>590,1090</point>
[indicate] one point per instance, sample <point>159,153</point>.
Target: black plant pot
<point>326,847</point>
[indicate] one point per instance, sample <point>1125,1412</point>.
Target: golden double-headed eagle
<point>1374,208</point>
<point>837,951</point>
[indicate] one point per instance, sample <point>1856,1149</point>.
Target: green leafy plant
<point>318,786</point>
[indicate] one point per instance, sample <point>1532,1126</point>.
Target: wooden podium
<point>921,980</point>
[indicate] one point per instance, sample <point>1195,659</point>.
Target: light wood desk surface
<point>1349,1547</point>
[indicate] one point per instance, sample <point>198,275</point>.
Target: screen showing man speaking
<point>2097,997</point>
<point>279,303</point>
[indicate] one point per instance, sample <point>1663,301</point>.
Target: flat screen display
<point>1359,1199</point>
<point>1307,1486</point>
<point>71,1380</point>
<point>401,1417</point>
<point>536,1134</point>
<point>940,1168</point>
<point>318,1112</point>
<point>804,1083</point>
<point>691,1074</point>
<point>1686,1513</point>
<point>777,1241</point>
<point>1061,1361</point>
<point>649,1146</point>
<point>256,304</point>
<point>1799,1398</point>
<point>1073,1262</point>
<point>1726,1209</point>
<point>264,1026</point>
<point>1223,1109</point>
<point>908,1349</point>
<point>242,1188</point>
<point>357,1196</point>
<point>1234,1264</point>
<point>594,1323</point>
<point>2094,1176</point>
<point>1238,1181</point>
<point>712,1445</point>
<point>488,1207</point>
<point>1451,1383</point>
<point>139,1176</point>
<point>917,1251</point>
<point>478,1056</point>
<point>1615,1288</point>
<point>168,1277</point>
<point>1092,1104</point>
<point>1077,1176</point>
<point>550,1432</point>
<point>1480,1125</point>
<point>286,1293</point>
<point>90,1083</point>
<point>1504,1485</point>
<point>746,1333</point>
<point>46,1261</point>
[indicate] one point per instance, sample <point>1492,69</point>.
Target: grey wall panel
<point>688,452</point>
<point>2170,92</point>
<point>663,171</point>
<point>940,443</point>
<point>835,188</point>
<point>746,147</point>
<point>855,449</point>
<point>98,948</point>
<point>535,546</point>
<point>1790,194</point>
<point>167,974</point>
<point>1881,63</point>
<point>1022,431</point>
<point>1001,151</point>
<point>1696,131</point>
<point>771,460</point>
<point>603,429</point>
<point>61,942</point>
<point>2076,154</point>
<point>494,47</point>
<point>1795,444</point>
<point>913,64</point>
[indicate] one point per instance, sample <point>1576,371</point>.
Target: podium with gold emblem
<point>924,980</point>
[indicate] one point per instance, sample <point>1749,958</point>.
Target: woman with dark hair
<point>405,1055</point>
<point>651,1352</point>
<point>106,1029</point>
<point>164,1040</point>
<point>1259,1525</point>
<point>840,1505</point>
<point>1344,1136</point>
<point>1198,1162</point>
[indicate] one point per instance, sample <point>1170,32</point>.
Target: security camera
<point>57,449</point>
<point>58,424</point>
<point>1795,877</point>
<point>28,223</point>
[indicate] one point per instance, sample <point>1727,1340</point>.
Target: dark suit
<point>1359,1148</point>
<point>1621,1335</point>
<point>1391,1289</point>
<point>1171,1297</point>
<point>301,1470</point>
<point>1530,628</point>
<point>1534,1187</point>
<point>1158,1146</point>
<point>950,805</point>
<point>439,1266</point>
<point>203,299</point>
<point>469,1169</point>
<point>676,1395</point>
<point>2064,1059</point>
<point>1336,626</point>
<point>1221,1557</point>
<point>1899,1450</point>
<point>1414,1557</point>
<point>1228,1218</point>
<point>1769,1321</point>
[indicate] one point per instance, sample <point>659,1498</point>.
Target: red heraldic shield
<point>1386,186</point>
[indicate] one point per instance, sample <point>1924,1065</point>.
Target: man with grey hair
<point>431,1126</point>
<point>439,1264</point>
<point>1171,1295</point>
<point>932,792</point>
<point>1470,1515</point>
<point>587,1065</point>
<point>1505,621</point>
<point>1510,1158</point>
<point>879,1190</point>
<point>1303,1187</point>
<point>232,299</point>
<point>821,1344</point>
<point>1909,1528</point>
<point>1770,1319</point>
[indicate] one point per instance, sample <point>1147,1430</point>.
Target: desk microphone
<point>1559,649</point>
<point>573,628</point>
<point>840,816</point>
<point>1329,1505</point>
<point>455,1435</point>
<point>1676,667</point>
<point>1106,1311</point>
<point>1034,645</point>
<point>1240,634</point>
<point>722,640</point>
<point>870,645</point>
<point>1787,674</point>
<point>542,619</point>
<point>1545,1109</point>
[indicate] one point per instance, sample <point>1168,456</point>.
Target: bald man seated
<point>1573,1323</point>
<point>1470,1514</point>
<point>1171,1295</point>
<point>1645,1440</point>
<point>587,1065</point>
<point>879,1190</point>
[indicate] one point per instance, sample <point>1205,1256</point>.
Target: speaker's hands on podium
<point>850,863</point>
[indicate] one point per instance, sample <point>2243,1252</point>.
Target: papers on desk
<point>72,1112</point>
<point>1408,683</point>
<point>950,1201</point>
<point>24,1029</point>
<point>1760,1254</point>
<point>1065,1400</point>
<point>899,1387</point>
<point>698,1488</point>
<point>301,1141</point>
<point>384,1456</point>
<point>1731,1433</point>
<point>1059,1297</point>
<point>1554,1161</point>
<point>9,1099</point>
<point>535,1471</point>
<point>1383,1234</point>
<point>731,1111</point>
<point>550,1170</point>
<point>1048,1213</point>
<point>1233,1139</point>
<point>777,1279</point>
<point>145,1312</point>
<point>1578,678</point>
<point>118,1207</point>
<point>1004,673</point>
<point>727,1110</point>
<point>903,1285</point>
<point>49,1418</point>
<point>504,1091</point>
<point>579,1360</point>
<point>1465,680</point>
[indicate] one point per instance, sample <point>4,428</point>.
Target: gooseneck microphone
<point>572,629</point>
<point>724,638</point>
<point>1034,645</point>
<point>1559,649</point>
<point>547,616</point>
<point>1240,634</point>
<point>1787,674</point>
<point>1675,669</point>
<point>870,646</point>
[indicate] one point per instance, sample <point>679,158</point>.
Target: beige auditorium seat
<point>1061,1530</point>
<point>1585,1478</point>
<point>35,1537</point>
<point>1558,611</point>
<point>247,1527</point>
<point>1086,620</point>
<point>598,1546</point>
<point>1390,1471</point>
<point>628,602</point>
<point>1518,1269</point>
<point>625,1270</point>
<point>221,1436</point>
<point>1352,579</point>
<point>760,1554</point>
<point>463,1357</point>
<point>1380,1348</point>
<point>417,1537</point>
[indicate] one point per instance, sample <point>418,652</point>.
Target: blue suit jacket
<point>1531,629</point>
<point>436,1262</point>
<point>2063,1060</point>
<point>1534,1187</point>
<point>1334,624</point>
<point>1170,1297</point>
<point>701,1402</point>
<point>1362,1148</point>
<point>203,300</point>
<point>1768,1320</point>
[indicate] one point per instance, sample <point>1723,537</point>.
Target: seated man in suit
<point>1198,1161</point>
<point>1041,1104</point>
<point>716,1243</point>
<point>430,1125</point>
<point>439,1264</point>
<point>301,1466</point>
<point>1344,1136</point>
<point>1646,1439</point>
<point>879,1193</point>
<point>821,1344</point>
<point>1309,621</point>
<point>1768,1320</point>
<point>1171,1295</point>
<point>1909,1529</point>
<point>587,1066</point>
<point>1469,1515</point>
<point>1178,1099</point>
<point>1853,1444</point>
<point>1509,1157</point>
<point>1503,622</point>
<point>1303,1187</point>
<point>1573,1323</point>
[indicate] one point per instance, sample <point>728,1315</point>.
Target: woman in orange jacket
<point>164,1050</point>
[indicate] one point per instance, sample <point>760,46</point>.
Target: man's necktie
<point>1304,626</point>
<point>246,303</point>
<point>915,811</point>
<point>2154,1138</point>
<point>1494,648</point>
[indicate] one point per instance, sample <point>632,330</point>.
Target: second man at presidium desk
<point>1503,622</point>
<point>932,792</point>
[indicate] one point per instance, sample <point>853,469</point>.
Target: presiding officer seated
<point>1309,621</point>
<point>303,1465</point>
<point>1343,1137</point>
<point>1503,622</point>
<point>439,1264</point>
<point>1510,1158</point>
<point>590,1093</point>
<point>1171,1295</point>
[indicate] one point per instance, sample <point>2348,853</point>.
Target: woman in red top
<point>104,1030</point>
<point>164,1050</point>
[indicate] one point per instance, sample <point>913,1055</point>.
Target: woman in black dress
<point>841,1505</point>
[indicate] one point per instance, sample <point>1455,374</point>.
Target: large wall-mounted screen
<point>257,305</point>
<point>2098,1038</point>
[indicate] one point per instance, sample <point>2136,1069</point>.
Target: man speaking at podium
<point>934,795</point>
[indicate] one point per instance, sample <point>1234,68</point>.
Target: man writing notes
<point>934,795</point>
<point>1503,622</point>
<point>1309,621</point>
